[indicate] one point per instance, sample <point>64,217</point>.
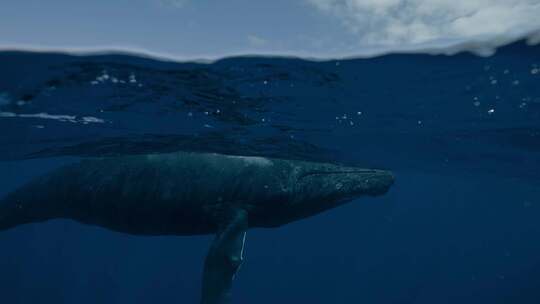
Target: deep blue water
<point>461,133</point>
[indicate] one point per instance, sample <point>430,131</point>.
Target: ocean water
<point>461,133</point>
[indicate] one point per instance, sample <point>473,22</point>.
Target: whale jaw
<point>328,186</point>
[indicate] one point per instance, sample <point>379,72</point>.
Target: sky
<point>210,29</point>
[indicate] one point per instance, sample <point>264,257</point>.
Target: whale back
<point>174,193</point>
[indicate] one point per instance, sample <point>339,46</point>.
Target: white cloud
<point>398,22</point>
<point>256,41</point>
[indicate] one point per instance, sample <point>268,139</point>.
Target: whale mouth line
<point>322,172</point>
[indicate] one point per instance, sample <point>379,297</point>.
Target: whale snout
<point>321,187</point>
<point>342,183</point>
<point>354,183</point>
<point>377,182</point>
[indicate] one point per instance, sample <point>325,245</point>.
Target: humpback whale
<point>187,193</point>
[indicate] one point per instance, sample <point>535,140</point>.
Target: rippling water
<point>461,132</point>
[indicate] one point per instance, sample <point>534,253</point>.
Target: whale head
<point>319,187</point>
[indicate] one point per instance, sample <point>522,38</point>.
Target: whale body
<point>185,193</point>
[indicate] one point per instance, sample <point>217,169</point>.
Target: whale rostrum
<point>187,193</point>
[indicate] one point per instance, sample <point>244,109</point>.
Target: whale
<point>189,193</point>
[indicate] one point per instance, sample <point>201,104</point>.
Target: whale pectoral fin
<point>224,258</point>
